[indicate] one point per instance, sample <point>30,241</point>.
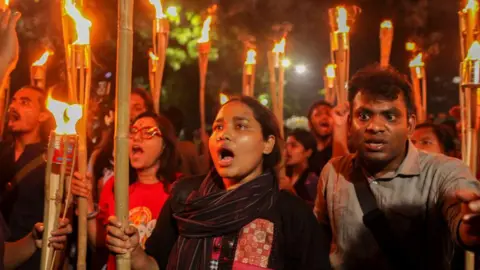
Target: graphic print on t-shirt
<point>141,218</point>
<point>254,244</point>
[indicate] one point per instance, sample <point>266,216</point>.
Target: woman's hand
<point>121,241</point>
<point>58,239</point>
<point>82,187</point>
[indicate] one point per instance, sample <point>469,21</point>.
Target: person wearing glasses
<point>153,169</point>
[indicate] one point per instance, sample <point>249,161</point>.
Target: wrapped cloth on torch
<point>386,39</point>
<point>38,71</point>
<point>249,73</point>
<point>419,84</point>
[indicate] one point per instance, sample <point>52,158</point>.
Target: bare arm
<point>8,44</point>
<point>340,116</point>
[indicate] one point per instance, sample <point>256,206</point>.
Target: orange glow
<point>82,25</point>
<point>410,46</point>
<point>251,57</point>
<point>152,56</point>
<point>206,30</point>
<point>66,115</point>
<point>7,2</point>
<point>417,61</point>
<point>342,16</point>
<point>223,98</point>
<point>43,59</point>
<point>474,51</point>
<point>280,46</point>
<point>472,5</point>
<point>386,24</point>
<point>158,9</point>
<point>330,71</point>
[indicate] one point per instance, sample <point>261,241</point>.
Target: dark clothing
<point>3,235</point>
<point>22,206</point>
<point>203,226</point>
<point>320,159</point>
<point>306,186</point>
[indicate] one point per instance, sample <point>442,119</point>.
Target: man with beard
<point>321,124</point>
<point>389,205</point>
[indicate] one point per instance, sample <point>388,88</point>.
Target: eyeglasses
<point>146,133</point>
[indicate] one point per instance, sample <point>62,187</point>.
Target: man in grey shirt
<point>416,204</point>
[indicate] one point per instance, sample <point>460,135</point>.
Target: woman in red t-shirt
<point>153,168</point>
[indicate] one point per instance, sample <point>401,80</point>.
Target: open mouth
<point>13,116</point>
<point>136,150</point>
<point>225,156</point>
<point>375,145</point>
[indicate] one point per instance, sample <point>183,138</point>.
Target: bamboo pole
<point>161,29</point>
<point>203,52</point>
<point>4,100</point>
<point>281,89</point>
<point>122,117</point>
<point>386,39</point>
<point>273,80</point>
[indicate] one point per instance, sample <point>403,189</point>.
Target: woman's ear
<point>269,144</point>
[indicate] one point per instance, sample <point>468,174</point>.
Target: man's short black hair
<point>316,105</point>
<point>382,83</point>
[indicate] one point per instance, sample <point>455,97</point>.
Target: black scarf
<point>211,211</point>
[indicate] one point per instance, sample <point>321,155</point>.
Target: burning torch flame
<point>417,63</point>
<point>158,9</point>
<point>223,98</point>
<point>280,46</point>
<point>410,46</point>
<point>7,2</point>
<point>471,4</point>
<point>474,51</point>
<point>386,24</point>
<point>152,56</point>
<point>66,116</point>
<point>206,30</point>
<point>43,59</point>
<point>251,57</point>
<point>330,71</point>
<point>82,25</point>
<point>342,16</point>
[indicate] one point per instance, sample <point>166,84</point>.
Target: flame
<point>172,11</point>
<point>43,59</point>
<point>152,56</point>
<point>342,17</point>
<point>417,61</point>
<point>251,57</point>
<point>7,2</point>
<point>158,9</point>
<point>206,30</point>
<point>280,46</point>
<point>386,24</point>
<point>66,115</point>
<point>286,63</point>
<point>330,71</point>
<point>410,46</point>
<point>474,51</point>
<point>82,25</point>
<point>472,5</point>
<point>223,98</point>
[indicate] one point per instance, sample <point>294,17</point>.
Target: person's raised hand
<point>9,48</point>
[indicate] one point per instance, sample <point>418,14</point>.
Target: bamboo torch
<point>277,78</point>
<point>223,98</point>
<point>340,48</point>
<point>419,84</point>
<point>161,30</point>
<point>79,70</point>
<point>61,154</point>
<point>4,4</point>
<point>204,47</point>
<point>38,71</point>
<point>249,73</point>
<point>122,117</point>
<point>386,39</point>
<point>329,81</point>
<point>152,70</point>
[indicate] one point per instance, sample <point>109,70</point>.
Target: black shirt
<point>3,236</point>
<point>22,206</point>
<point>296,240</point>
<point>320,159</point>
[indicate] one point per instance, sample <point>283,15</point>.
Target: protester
<point>434,138</point>
<point>389,205</point>
<point>300,147</point>
<point>321,124</point>
<point>140,101</point>
<point>236,217</point>
<point>153,169</point>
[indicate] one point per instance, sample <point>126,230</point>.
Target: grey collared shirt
<point>418,200</point>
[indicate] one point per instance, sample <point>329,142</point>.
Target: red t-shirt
<point>145,203</point>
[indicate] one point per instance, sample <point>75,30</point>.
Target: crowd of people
<point>367,187</point>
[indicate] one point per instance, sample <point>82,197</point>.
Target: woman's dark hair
<point>382,83</point>
<point>305,138</point>
<point>147,98</point>
<point>169,160</point>
<point>270,127</point>
<point>444,135</point>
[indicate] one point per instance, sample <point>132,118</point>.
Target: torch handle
<point>203,66</point>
